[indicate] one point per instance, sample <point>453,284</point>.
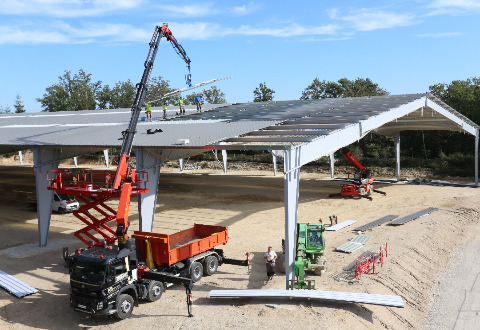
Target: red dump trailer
<point>189,253</point>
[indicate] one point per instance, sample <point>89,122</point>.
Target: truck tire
<point>196,271</point>
<point>61,210</point>
<point>322,262</point>
<point>124,306</point>
<point>154,290</point>
<point>210,265</point>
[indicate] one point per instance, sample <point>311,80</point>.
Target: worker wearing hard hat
<point>148,111</point>
<point>164,109</point>
<point>182,106</point>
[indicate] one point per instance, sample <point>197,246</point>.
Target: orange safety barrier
<point>169,249</point>
<point>369,265</point>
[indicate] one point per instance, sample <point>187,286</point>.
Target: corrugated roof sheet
<point>364,298</point>
<point>15,286</point>
<point>412,216</point>
<point>354,244</point>
<point>376,223</point>
<point>341,225</point>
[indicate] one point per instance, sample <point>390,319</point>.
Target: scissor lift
<point>93,189</point>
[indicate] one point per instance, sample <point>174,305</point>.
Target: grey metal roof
<point>263,125</point>
<point>376,223</point>
<point>412,216</point>
<point>15,286</point>
<point>364,298</point>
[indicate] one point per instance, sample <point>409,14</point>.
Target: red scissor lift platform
<point>93,189</point>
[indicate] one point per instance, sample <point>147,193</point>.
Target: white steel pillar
<point>291,187</point>
<point>332,165</point>
<point>274,164</point>
<point>476,157</point>
<point>44,160</point>
<point>147,201</point>
<point>181,164</point>
<point>107,161</point>
<point>224,159</point>
<point>20,157</point>
<point>75,161</point>
<point>397,155</point>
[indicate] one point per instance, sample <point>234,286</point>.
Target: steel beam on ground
<point>412,216</point>
<point>376,223</point>
<point>397,155</point>
<point>147,202</point>
<point>44,160</point>
<point>341,225</point>
<point>364,298</point>
<point>291,191</point>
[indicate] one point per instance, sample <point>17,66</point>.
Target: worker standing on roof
<point>270,256</point>
<point>164,109</point>
<point>198,101</point>
<point>182,107</point>
<point>148,111</point>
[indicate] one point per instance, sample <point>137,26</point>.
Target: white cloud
<point>190,11</point>
<point>65,8</point>
<point>440,35</point>
<point>245,9</point>
<point>13,35</point>
<point>371,19</point>
<point>453,7</point>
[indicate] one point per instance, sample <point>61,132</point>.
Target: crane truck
<point>362,184</point>
<point>108,279</point>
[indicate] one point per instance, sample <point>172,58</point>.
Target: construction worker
<point>270,257</point>
<point>164,109</point>
<point>182,107</point>
<point>148,111</point>
<point>198,101</point>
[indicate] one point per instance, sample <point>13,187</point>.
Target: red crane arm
<point>351,158</point>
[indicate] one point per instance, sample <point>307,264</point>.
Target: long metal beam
<point>270,139</point>
<point>289,132</point>
<point>353,297</point>
<point>306,126</point>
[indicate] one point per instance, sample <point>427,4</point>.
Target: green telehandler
<point>309,254</point>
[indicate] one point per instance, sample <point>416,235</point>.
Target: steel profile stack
<point>353,245</point>
<point>15,286</point>
<point>341,225</point>
<point>412,216</point>
<point>376,223</point>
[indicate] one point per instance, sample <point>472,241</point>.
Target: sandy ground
<point>251,205</point>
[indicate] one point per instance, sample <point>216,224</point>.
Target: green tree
<point>5,110</point>
<point>156,89</point>
<point>19,107</point>
<point>214,96</point>
<point>104,97</point>
<point>262,93</point>
<point>343,88</point>
<point>123,95</point>
<point>71,93</point>
<point>190,98</point>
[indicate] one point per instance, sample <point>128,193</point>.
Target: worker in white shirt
<point>270,257</point>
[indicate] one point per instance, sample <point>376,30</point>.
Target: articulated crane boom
<point>125,175</point>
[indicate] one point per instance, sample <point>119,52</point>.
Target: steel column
<point>44,160</point>
<point>20,157</point>
<point>147,201</point>
<point>291,187</point>
<point>476,157</point>
<point>397,155</point>
<point>180,161</point>
<point>75,161</point>
<point>224,159</point>
<point>332,165</point>
<point>105,155</point>
<point>274,165</point>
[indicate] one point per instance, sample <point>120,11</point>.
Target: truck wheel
<point>322,268</point>
<point>196,271</point>
<point>155,290</point>
<point>61,210</point>
<point>124,306</point>
<point>210,265</point>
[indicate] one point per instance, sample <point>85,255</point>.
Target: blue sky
<point>403,45</point>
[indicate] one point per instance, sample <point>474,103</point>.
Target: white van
<point>61,203</point>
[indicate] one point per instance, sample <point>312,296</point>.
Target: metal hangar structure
<point>296,131</point>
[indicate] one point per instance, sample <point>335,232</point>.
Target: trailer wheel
<point>124,306</point>
<point>154,290</point>
<point>196,271</point>
<point>210,265</point>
